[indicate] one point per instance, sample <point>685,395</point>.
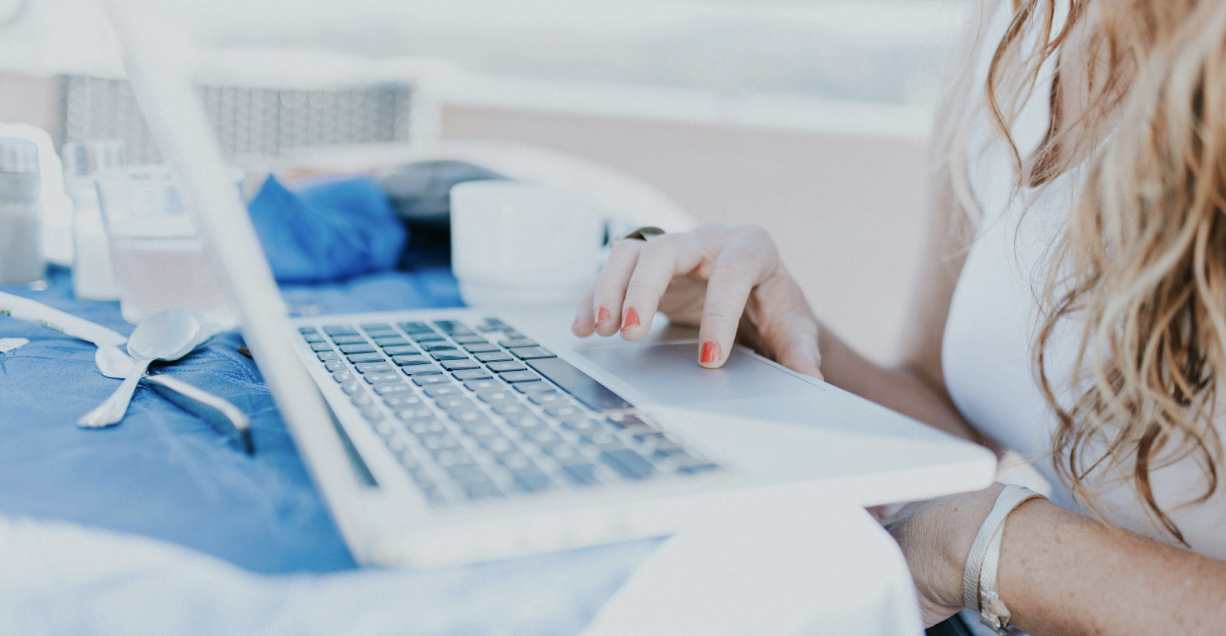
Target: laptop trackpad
<point>669,374</point>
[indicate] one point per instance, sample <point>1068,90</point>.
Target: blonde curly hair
<point>1141,268</point>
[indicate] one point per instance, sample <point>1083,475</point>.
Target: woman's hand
<point>727,280</point>
<point>936,537</point>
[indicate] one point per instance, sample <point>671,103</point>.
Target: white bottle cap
<point>18,155</point>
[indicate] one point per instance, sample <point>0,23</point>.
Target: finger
<point>610,286</point>
<point>585,323</point>
<point>733,277</point>
<point>801,356</point>
<point>659,262</point>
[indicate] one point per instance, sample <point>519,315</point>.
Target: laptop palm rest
<point>669,374</point>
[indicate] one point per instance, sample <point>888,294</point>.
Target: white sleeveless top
<point>994,318</point>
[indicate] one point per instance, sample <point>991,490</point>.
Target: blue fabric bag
<point>328,231</point>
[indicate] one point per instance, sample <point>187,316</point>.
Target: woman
<point>1072,307</point>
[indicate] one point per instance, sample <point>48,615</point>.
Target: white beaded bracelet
<point>979,577</point>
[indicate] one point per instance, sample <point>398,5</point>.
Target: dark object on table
<point>953,626</point>
<point>421,195</point>
<point>245,351</point>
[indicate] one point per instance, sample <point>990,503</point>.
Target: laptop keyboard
<point>482,412</point>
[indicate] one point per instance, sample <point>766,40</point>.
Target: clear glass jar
<point>21,257</point>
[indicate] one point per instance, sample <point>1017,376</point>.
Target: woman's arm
<point>1064,573</point>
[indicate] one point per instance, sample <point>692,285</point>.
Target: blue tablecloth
<point>167,475</point>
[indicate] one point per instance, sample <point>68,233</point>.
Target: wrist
<point>966,516</point>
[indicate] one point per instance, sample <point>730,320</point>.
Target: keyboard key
<point>438,347</point>
<point>565,454</point>
<point>530,388</point>
<point>460,365</point>
<point>512,334</point>
<point>533,482</point>
<point>381,377</point>
<point>361,399</point>
<point>483,430</point>
<point>364,357</point>
<point>658,440</point>
<point>420,369</point>
<point>427,337</point>
<point>493,356</point>
<point>399,399</point>
<point>482,490</point>
<point>448,355</point>
<point>501,367</point>
<point>520,376</point>
<point>373,367</point>
<point>325,356</point>
<point>580,474</point>
<point>542,437</point>
<point>498,445</point>
<point>448,457</point>
<point>425,426</point>
<point>469,474</point>
<point>470,339</point>
<point>440,441</point>
<point>533,353</point>
<point>632,423</point>
<point>405,361</point>
<point>518,342</point>
<point>389,389</point>
<point>307,330</point>
<point>472,374</point>
<point>443,390</point>
<point>517,462</point>
<point>357,348</point>
<point>351,387</point>
<point>335,365</point>
<point>478,386</point>
<point>579,384</point>
<point>481,347</point>
<point>431,380</point>
<point>453,327</point>
<point>586,427</point>
<point>697,468</point>
<point>526,422</point>
<point>566,412</point>
<point>455,404</point>
<point>415,327</point>
<point>372,414</point>
<point>314,337</point>
<point>511,410</point>
<point>340,330</point>
<point>543,399</point>
<point>380,326</point>
<point>468,417</point>
<point>382,334</point>
<point>627,463</point>
<point>343,376</point>
<point>415,413</point>
<point>497,397</point>
<point>401,350</point>
<point>320,346</point>
<point>391,341</point>
<point>344,340</point>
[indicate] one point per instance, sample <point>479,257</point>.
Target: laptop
<point>444,437</point>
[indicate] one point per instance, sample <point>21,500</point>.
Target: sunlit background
<point>806,116</point>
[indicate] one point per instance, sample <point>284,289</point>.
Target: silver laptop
<point>452,436</point>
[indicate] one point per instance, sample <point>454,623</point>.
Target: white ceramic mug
<point>516,244</point>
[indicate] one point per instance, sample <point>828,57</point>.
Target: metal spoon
<point>166,335</point>
<point>218,412</point>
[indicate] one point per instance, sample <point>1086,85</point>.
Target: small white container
<point>517,244</point>
<point>92,275</point>
<point>21,256</point>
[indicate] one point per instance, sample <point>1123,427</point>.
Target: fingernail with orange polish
<point>602,315</point>
<point>710,352</point>
<point>631,319</point>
